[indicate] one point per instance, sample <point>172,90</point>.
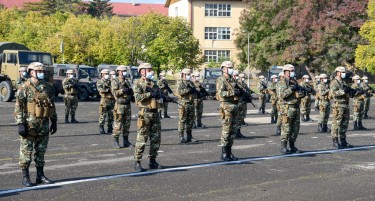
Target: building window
<point>216,55</point>
<point>217,10</point>
<point>217,33</point>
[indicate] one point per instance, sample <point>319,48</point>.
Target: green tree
<point>100,8</point>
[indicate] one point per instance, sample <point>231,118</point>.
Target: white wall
<point>179,9</point>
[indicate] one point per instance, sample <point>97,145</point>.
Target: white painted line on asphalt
<point>59,184</point>
<point>314,137</point>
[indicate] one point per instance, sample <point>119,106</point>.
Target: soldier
<point>272,91</point>
<point>186,90</point>
<point>324,103</point>
<point>368,93</point>
<point>279,106</point>
<point>339,91</point>
<point>71,87</point>
<point>22,77</point>
<point>123,93</point>
<point>33,110</point>
<point>228,96</point>
<point>198,101</point>
<point>262,87</point>
<point>112,74</point>
<point>306,101</point>
<point>146,95</point>
<point>290,96</point>
<point>165,90</point>
<point>106,104</point>
<point>358,103</point>
<point>316,102</point>
<point>242,106</point>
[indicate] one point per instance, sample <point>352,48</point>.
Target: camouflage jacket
<point>225,89</point>
<point>26,94</point>
<point>336,90</point>
<point>117,86</point>
<point>367,88</point>
<point>104,88</point>
<point>358,96</point>
<point>184,90</point>
<point>163,85</point>
<point>143,90</point>
<point>285,93</point>
<point>323,91</point>
<point>307,85</point>
<point>20,81</point>
<point>272,90</point>
<point>315,85</point>
<point>70,86</point>
<point>262,87</point>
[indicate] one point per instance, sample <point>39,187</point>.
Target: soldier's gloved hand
<point>53,127</point>
<point>22,130</point>
<point>264,87</point>
<point>125,90</point>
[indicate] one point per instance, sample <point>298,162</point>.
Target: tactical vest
<point>150,103</point>
<point>72,90</point>
<point>39,105</point>
<point>189,96</point>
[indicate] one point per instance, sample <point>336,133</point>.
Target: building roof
<point>121,9</point>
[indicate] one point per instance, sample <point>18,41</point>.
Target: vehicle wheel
<point>83,94</point>
<point>6,91</point>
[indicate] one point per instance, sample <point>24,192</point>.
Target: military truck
<point>14,56</point>
<point>87,76</point>
<point>209,80</point>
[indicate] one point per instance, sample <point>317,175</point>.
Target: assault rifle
<point>245,94</point>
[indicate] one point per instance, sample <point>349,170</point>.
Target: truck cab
<point>209,80</point>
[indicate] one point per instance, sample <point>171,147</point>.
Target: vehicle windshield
<point>135,74</point>
<point>213,74</point>
<point>29,57</point>
<point>85,72</point>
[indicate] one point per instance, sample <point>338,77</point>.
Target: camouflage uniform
<point>262,87</point>
<point>306,102</point>
<point>164,89</point>
<point>242,104</point>
<point>122,91</point>
<point>369,91</point>
<point>324,106</point>
<point>198,104</point>
<point>70,86</point>
<point>20,82</point>
<point>358,106</point>
<point>316,102</point>
<point>274,110</point>
<point>186,109</point>
<point>107,103</point>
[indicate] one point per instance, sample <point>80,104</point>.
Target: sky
<point>141,1</point>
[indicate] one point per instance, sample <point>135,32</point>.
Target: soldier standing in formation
<point>34,109</point>
<point>242,106</point>
<point>339,91</point>
<point>279,106</point>
<point>306,101</point>
<point>358,103</point>
<point>186,90</point>
<point>107,101</point>
<point>228,96</point>
<point>123,93</point>
<point>273,94</point>
<point>146,95</point>
<point>324,104</point>
<point>22,76</point>
<point>198,101</point>
<point>315,84</point>
<point>290,94</point>
<point>165,90</point>
<point>262,87</point>
<point>369,91</point>
<point>71,86</point>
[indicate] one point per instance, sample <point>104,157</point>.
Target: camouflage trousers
<point>106,107</point>
<point>340,120</point>
<point>37,139</point>
<point>71,104</point>
<point>122,117</point>
<point>163,106</point>
<point>317,102</point>
<point>306,105</point>
<point>198,110</point>
<point>274,110</point>
<point>290,122</point>
<point>367,104</point>
<point>279,116</point>
<point>229,116</point>
<point>242,111</point>
<point>324,109</point>
<point>148,127</point>
<point>358,109</point>
<point>185,118</point>
<point>262,100</point>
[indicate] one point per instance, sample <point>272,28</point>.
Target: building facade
<point>214,24</point>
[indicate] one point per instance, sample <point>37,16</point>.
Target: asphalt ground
<point>85,166</point>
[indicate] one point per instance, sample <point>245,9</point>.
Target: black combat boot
<point>360,126</point>
<point>293,148</point>
<point>166,115</point>
<point>239,134</point>
<point>263,110</point>
<point>116,143</point>
<point>40,178</point>
<point>26,178</point>
<point>229,152</point>
<point>73,119</point>
<point>66,119</point>
<point>284,147</point>
<point>326,129</point>
<point>138,167</point>
<point>345,144</point>
<point>154,165</point>
<point>355,127</point>
<point>224,154</point>
<point>110,129</point>
<point>278,130</point>
<point>101,129</point>
<point>336,144</point>
<point>189,137</point>
<point>199,124</point>
<point>308,117</point>
<point>320,128</point>
<point>365,116</point>
<point>126,142</point>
